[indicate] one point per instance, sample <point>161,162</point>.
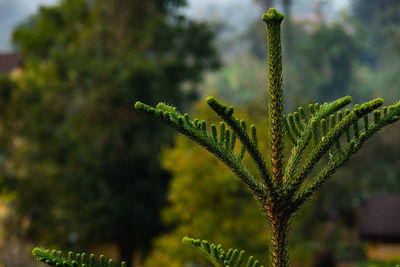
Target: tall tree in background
<point>379,24</point>
<point>287,28</point>
<point>81,166</point>
<point>330,74</point>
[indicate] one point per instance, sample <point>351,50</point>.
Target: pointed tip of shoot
<point>160,105</point>
<point>347,99</point>
<point>211,100</point>
<point>273,15</point>
<point>139,105</point>
<point>185,239</point>
<point>36,251</point>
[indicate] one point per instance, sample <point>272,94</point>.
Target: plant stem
<point>278,217</point>
<point>279,256</point>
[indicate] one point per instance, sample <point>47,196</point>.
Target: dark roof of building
<point>380,218</point>
<point>9,61</point>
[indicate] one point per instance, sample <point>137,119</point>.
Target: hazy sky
<point>11,13</point>
<point>239,12</point>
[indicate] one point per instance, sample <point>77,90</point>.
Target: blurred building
<point>11,63</point>
<point>380,226</point>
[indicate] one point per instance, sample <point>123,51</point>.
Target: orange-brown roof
<point>8,61</point>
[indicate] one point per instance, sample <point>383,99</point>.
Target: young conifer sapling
<point>282,186</point>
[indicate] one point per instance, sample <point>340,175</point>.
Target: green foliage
<point>220,147</point>
<point>284,188</point>
<point>217,255</point>
<point>56,258</point>
<point>205,200</point>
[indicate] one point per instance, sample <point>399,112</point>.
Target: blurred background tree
<point>81,163</point>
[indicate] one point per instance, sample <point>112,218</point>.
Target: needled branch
<point>309,131</point>
<point>196,131</point>
<point>323,176</point>
<point>345,154</point>
<point>329,139</point>
<point>250,144</point>
<point>217,255</point>
<point>56,258</point>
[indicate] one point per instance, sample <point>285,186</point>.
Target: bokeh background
<point>81,170</point>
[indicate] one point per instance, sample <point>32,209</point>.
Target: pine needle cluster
<point>56,258</point>
<point>283,185</point>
